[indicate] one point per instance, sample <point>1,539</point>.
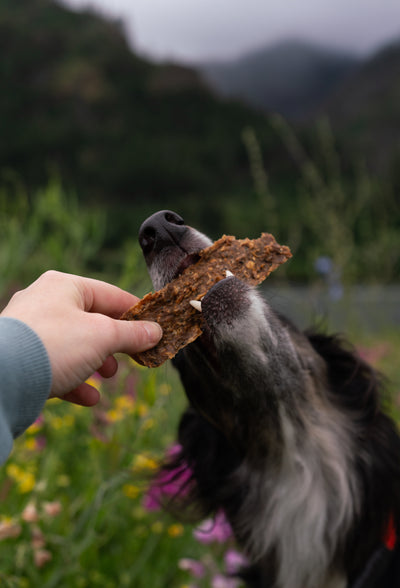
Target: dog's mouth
<point>187,261</point>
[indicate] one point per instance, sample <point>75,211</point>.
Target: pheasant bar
<point>251,260</point>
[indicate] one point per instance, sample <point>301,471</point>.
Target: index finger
<point>104,298</point>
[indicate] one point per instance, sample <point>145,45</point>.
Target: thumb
<point>135,336</point>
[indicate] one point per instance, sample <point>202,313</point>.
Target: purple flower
<point>168,483</point>
<point>234,561</point>
<point>217,530</point>
<point>220,581</point>
<point>194,567</point>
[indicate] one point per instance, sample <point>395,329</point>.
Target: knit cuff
<point>25,380</point>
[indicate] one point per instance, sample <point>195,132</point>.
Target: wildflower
<point>168,483</point>
<point>220,581</point>
<point>164,389</point>
<point>148,424</point>
<point>175,530</point>
<point>234,561</point>
<point>217,530</point>
<point>63,481</point>
<point>58,422</point>
<point>113,416</point>
<point>94,380</point>
<point>194,567</point>
<point>52,509</point>
<point>142,462</point>
<point>375,354</point>
<point>30,513</point>
<point>38,541</point>
<point>142,409</point>
<point>9,528</point>
<point>41,557</point>
<point>130,490</point>
<point>25,479</point>
<point>30,444</point>
<point>36,426</point>
<point>157,527</point>
<point>124,403</point>
<point>41,442</point>
<point>26,483</point>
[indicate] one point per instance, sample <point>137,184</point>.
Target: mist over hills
<point>292,77</point>
<point>365,110</point>
<point>133,135</point>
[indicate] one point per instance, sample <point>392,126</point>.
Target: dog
<point>284,433</point>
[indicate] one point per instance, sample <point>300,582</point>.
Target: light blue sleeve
<point>25,380</point>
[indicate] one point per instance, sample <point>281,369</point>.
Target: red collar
<point>390,537</point>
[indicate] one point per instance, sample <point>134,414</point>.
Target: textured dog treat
<point>250,260</point>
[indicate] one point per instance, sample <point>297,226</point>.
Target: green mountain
<point>365,111</point>
<point>292,78</point>
<point>76,100</point>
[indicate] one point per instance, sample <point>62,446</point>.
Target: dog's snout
<point>160,230</point>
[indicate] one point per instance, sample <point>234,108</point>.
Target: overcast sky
<point>192,30</point>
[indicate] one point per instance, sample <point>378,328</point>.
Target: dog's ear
<point>353,383</point>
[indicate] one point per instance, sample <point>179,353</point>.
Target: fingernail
<point>154,332</point>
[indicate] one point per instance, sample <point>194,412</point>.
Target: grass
<point>72,511</point>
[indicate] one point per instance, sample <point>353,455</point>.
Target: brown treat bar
<point>250,260</point>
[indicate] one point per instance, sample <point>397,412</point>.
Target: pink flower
<point>41,442</point>
<point>220,581</point>
<point>194,567</point>
<point>41,557</point>
<point>168,483</point>
<point>9,529</point>
<point>217,530</point>
<point>30,513</point>
<point>52,509</point>
<point>38,540</point>
<point>234,561</point>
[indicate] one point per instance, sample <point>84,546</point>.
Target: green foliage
<point>73,491</point>
<point>350,216</point>
<point>49,231</point>
<point>72,511</point>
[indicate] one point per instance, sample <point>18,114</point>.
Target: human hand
<point>76,319</point>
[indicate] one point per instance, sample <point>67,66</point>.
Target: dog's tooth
<point>196,304</point>
<point>228,274</point>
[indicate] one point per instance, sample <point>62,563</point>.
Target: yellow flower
<point>142,409</point>
<point>58,422</point>
<point>95,382</point>
<point>30,444</point>
<point>34,428</point>
<point>25,479</point>
<point>124,403</point>
<point>130,490</point>
<point>26,483</point>
<point>114,416</point>
<point>143,462</point>
<point>164,389</point>
<point>9,528</point>
<point>63,481</point>
<point>175,530</point>
<point>157,527</point>
<point>148,424</point>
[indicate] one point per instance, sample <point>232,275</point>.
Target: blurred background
<point>242,117</point>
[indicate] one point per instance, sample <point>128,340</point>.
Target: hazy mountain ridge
<point>365,111</point>
<point>292,77</point>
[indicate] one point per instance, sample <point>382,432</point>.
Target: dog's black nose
<point>160,230</point>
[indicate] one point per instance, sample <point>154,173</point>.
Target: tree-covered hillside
<point>365,111</point>
<point>76,100</point>
<point>129,136</point>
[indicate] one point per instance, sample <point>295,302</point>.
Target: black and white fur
<point>284,433</point>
